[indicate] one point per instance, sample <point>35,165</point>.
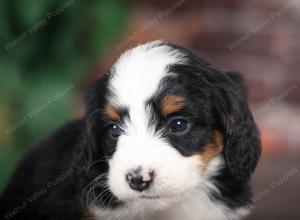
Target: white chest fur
<point>200,207</point>
<point>196,207</point>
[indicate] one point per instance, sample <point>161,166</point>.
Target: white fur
<point>138,72</point>
<point>195,205</point>
<point>180,182</point>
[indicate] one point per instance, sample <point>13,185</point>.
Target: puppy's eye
<point>115,131</point>
<point>178,126</point>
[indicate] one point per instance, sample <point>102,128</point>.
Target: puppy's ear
<point>242,142</point>
<point>94,104</point>
<point>95,96</point>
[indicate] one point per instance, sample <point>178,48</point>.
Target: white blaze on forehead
<point>137,75</point>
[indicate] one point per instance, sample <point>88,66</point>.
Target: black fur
<point>46,162</point>
<point>215,100</point>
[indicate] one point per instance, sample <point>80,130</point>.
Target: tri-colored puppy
<point>166,136</point>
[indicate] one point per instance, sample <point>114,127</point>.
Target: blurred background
<point>51,51</point>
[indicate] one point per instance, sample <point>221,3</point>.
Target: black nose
<point>138,182</point>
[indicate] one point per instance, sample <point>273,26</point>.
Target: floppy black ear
<point>242,142</point>
<point>95,96</point>
<point>94,104</point>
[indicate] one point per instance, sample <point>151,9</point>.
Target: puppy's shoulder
<point>45,162</point>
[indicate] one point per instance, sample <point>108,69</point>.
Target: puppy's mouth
<point>149,197</point>
<point>144,196</point>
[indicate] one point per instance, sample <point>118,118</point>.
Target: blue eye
<point>115,131</point>
<point>178,126</point>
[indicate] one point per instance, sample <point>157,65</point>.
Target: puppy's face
<point>160,151</point>
<point>160,131</point>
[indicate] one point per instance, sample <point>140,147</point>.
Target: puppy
<point>166,136</point>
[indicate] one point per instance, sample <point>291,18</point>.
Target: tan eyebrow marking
<point>112,112</point>
<point>171,104</point>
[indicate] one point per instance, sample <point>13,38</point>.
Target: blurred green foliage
<point>46,48</point>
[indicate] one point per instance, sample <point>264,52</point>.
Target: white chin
<point>153,202</point>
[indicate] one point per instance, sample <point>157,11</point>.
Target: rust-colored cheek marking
<point>112,112</point>
<point>88,214</point>
<point>171,104</point>
<point>212,149</point>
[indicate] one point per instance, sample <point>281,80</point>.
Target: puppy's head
<point>167,122</point>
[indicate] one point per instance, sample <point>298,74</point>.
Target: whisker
<point>88,193</point>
